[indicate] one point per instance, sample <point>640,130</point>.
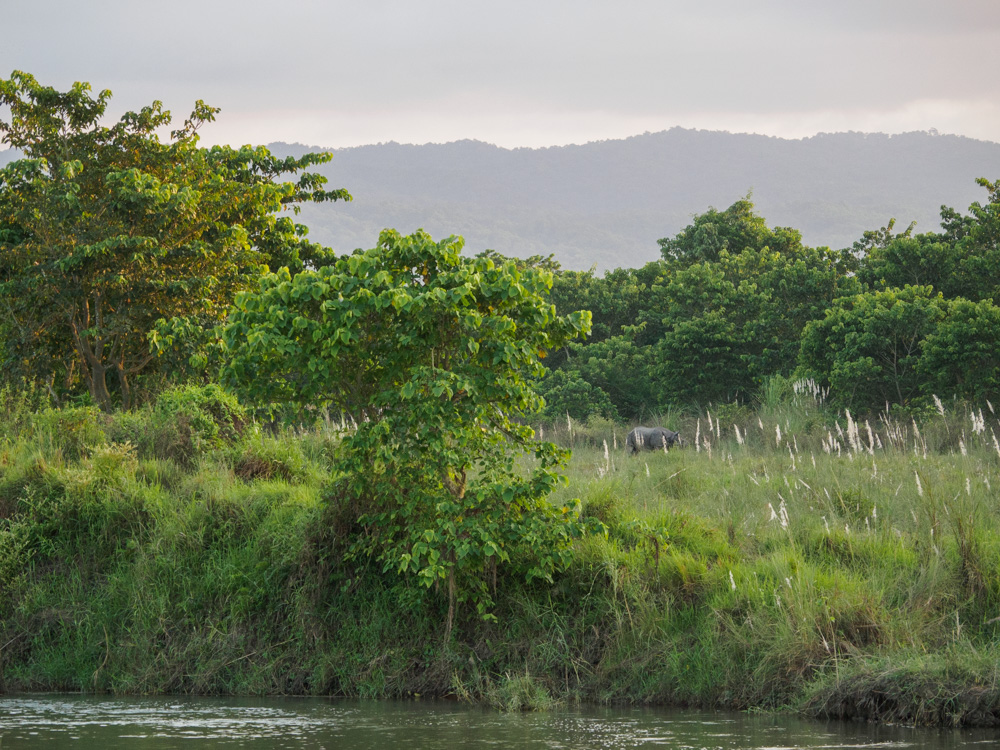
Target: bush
<point>270,458</point>
<point>18,406</point>
<point>594,431</point>
<point>185,422</point>
<point>74,430</point>
<point>568,393</point>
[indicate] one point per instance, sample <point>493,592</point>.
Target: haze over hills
<point>606,203</point>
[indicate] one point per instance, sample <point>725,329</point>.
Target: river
<point>97,723</point>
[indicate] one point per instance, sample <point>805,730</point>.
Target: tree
<point>980,247</point>
<point>867,347</point>
<point>916,261</point>
<point>733,303</point>
<point>431,354</point>
<point>567,394</point>
<point>875,239</point>
<point>615,300</point>
<point>620,368</point>
<point>699,361</point>
<point>700,356</point>
<point>735,229</point>
<point>779,293</point>
<point>104,230</point>
<point>960,261</point>
<point>961,357</point>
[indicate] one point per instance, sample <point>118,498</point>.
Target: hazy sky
<point>524,73</point>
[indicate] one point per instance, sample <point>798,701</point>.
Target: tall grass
<point>827,543</point>
<point>787,556</point>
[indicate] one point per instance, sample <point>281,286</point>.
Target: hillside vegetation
<point>605,204</point>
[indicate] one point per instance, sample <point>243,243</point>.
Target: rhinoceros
<point>651,439</point>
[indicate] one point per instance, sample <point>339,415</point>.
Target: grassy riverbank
<point>792,558</point>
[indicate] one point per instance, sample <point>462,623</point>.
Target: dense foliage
<point>431,355</point>
<point>105,230</point>
<point>794,560</point>
<point>175,544</point>
<point>895,318</point>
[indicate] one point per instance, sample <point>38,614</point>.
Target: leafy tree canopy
<point>961,356</point>
<point>867,347</point>
<point>737,228</point>
<point>431,354</point>
<point>567,394</point>
<point>960,261</point>
<point>712,321</point>
<point>621,368</point>
<point>104,229</point>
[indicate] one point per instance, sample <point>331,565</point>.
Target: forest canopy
<point>105,229</point>
<point>896,318</point>
<point>112,240</point>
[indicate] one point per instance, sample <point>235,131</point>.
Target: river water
<point>95,723</point>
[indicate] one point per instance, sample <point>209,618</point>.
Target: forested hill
<point>606,203</point>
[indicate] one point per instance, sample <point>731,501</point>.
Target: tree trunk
<point>126,387</point>
<point>452,596</point>
<point>91,355</point>
<point>97,383</point>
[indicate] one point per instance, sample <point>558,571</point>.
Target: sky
<point>523,72</point>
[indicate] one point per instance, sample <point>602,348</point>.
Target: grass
<point>809,553</point>
<point>789,558</point>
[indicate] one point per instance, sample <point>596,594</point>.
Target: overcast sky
<point>524,72</point>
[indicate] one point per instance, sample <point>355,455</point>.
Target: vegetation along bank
<point>233,461</point>
<point>791,564</point>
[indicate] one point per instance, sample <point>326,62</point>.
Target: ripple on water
<point>93,723</point>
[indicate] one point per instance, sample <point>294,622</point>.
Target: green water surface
<point>95,723</point>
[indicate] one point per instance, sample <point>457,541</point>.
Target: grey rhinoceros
<point>651,439</point>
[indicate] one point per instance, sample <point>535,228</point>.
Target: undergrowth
<point>784,558</point>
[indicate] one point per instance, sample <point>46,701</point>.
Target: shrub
<point>595,431</point>
<point>73,430</point>
<point>270,458</point>
<point>18,406</point>
<point>568,393</point>
<point>185,422</point>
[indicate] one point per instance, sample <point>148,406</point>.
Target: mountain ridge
<point>605,203</point>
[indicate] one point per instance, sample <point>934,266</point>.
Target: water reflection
<point>89,723</point>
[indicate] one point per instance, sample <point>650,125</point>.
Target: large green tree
<point>730,323</point>
<point>924,260</point>
<point>432,355</point>
<point>104,229</point>
<point>734,230</point>
<point>719,314</point>
<point>960,261</point>
<point>961,357</point>
<point>867,347</point>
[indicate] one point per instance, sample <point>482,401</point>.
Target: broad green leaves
<point>896,346</point>
<point>430,353</point>
<point>104,230</point>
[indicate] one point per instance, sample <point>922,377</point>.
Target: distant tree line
<point>896,319</point>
